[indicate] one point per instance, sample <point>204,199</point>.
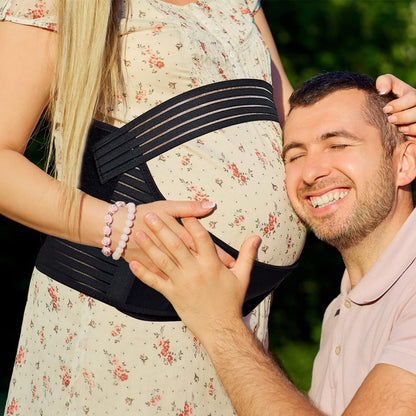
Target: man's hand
<point>205,293</point>
<point>169,211</point>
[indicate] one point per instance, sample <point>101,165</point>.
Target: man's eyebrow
<point>325,136</point>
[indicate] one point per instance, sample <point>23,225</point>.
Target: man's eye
<point>292,158</point>
<point>339,146</point>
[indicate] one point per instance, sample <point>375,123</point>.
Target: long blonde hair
<point>87,77</point>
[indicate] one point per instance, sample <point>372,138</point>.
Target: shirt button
<point>337,350</point>
<point>347,304</point>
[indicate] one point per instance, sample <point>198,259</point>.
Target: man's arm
<point>251,377</point>
<point>209,299</point>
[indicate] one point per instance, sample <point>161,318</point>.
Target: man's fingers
<point>202,240</point>
<point>227,260</point>
<point>174,245</point>
<point>245,260</point>
<point>160,259</point>
<point>147,277</point>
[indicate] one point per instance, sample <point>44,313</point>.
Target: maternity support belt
<point>114,168</point>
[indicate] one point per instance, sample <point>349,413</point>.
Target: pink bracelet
<point>106,241</point>
<point>131,215</point>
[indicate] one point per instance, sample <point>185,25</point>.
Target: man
<point>349,175</point>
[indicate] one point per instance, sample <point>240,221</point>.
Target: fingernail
<point>150,218</point>
<point>388,109</point>
<point>256,242</point>
<point>392,119</point>
<point>133,267</point>
<point>404,129</point>
<point>382,92</point>
<point>208,204</point>
<point>139,236</point>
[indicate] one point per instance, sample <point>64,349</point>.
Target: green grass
<point>297,360</point>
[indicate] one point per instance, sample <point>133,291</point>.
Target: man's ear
<point>407,163</point>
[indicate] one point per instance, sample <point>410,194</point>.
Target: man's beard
<point>366,215</point>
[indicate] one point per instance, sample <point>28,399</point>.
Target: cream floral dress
<point>78,356</point>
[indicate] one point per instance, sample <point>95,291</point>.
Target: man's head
<point>344,161</point>
<point>320,86</point>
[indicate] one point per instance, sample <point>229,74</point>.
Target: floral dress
<point>78,356</point>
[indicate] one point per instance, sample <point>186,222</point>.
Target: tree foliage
<point>368,36</point>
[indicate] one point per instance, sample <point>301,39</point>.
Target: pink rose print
<point>268,229</point>
<point>34,390</point>
<point>54,297</point>
<point>140,95</point>
<point>89,299</point>
<point>40,10</point>
<point>66,376</point>
<point>20,356</point>
<point>45,381</point>
<point>203,47</point>
<point>154,60</point>
<point>261,157</point>
<point>244,10</point>
<point>187,410</point>
<point>210,388</point>
<point>157,28</point>
<point>14,407</point>
<point>69,338</point>
<point>164,346</point>
<point>199,194</point>
<point>89,379</point>
<point>118,371</point>
<point>206,8</point>
<point>242,178</point>
<point>185,160</point>
<point>197,346</point>
<point>155,400</point>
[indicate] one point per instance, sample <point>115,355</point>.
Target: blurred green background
<point>369,36</point>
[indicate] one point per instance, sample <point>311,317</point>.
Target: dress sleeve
<point>39,13</point>
<point>253,5</point>
<point>401,348</point>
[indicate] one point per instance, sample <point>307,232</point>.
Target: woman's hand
<point>206,294</point>
<point>402,110</point>
<point>169,212</point>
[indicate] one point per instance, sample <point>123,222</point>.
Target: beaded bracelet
<point>106,241</point>
<point>131,215</point>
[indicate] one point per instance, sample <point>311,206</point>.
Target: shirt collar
<point>389,267</point>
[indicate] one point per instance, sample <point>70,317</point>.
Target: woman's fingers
<point>402,111</point>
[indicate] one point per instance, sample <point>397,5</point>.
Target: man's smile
<point>327,198</point>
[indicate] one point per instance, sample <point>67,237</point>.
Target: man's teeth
<point>321,201</point>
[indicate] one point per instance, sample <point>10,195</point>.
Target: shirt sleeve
<point>253,5</point>
<point>400,351</point>
<point>39,13</point>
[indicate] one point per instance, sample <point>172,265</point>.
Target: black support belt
<point>114,168</point>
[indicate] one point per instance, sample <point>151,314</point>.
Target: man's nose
<point>315,167</point>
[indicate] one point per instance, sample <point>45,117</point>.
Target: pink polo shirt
<point>375,322</point>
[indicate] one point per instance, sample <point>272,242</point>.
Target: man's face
<point>337,176</point>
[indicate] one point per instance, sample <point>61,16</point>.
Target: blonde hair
<point>87,77</point>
